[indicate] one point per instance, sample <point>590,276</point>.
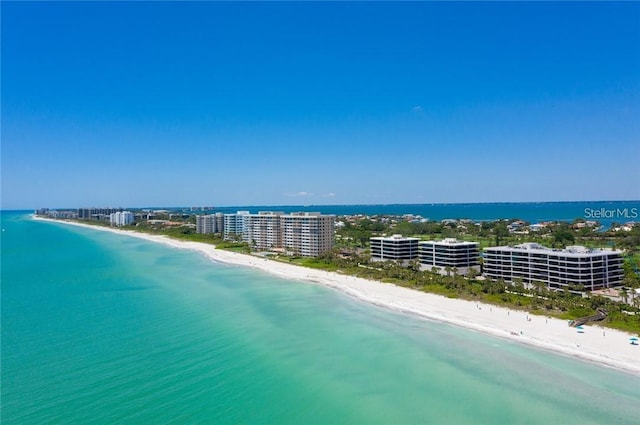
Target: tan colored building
<point>263,230</point>
<point>307,234</point>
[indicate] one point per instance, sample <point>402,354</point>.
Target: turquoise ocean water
<point>101,329</point>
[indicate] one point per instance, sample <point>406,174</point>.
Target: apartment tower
<point>395,247</point>
<point>449,255</point>
<point>307,234</point>
<point>558,269</point>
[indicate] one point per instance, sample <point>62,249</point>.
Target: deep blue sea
<point>604,212</point>
<point>100,328</point>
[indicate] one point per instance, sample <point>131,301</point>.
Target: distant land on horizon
<point>605,212</point>
<point>245,206</point>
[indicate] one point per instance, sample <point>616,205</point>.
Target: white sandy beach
<point>605,346</point>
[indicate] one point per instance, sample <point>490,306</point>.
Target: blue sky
<point>140,104</point>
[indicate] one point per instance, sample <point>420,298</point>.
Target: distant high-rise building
<point>121,218</point>
<point>59,214</point>
<point>99,214</point>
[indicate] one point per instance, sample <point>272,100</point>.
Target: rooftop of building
<point>395,238</point>
<point>450,242</point>
<point>311,214</point>
<point>574,250</point>
<point>238,213</point>
<point>279,213</point>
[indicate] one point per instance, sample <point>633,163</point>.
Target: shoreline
<point>606,347</point>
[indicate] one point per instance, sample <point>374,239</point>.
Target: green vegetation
<point>350,257</point>
<point>352,239</point>
<point>564,305</point>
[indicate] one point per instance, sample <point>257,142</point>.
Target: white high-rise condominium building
<point>234,225</point>
<point>121,218</point>
<point>449,255</point>
<point>262,230</point>
<point>307,234</point>
<point>575,267</point>
<point>396,247</point>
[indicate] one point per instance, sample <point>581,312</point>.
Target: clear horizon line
<point>333,205</point>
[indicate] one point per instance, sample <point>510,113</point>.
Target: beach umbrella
<point>633,338</point>
<point>580,327</point>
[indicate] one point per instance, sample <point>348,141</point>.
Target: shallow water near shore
<point>102,328</point>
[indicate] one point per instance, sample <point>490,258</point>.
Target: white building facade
<point>234,225</point>
<point>570,268</point>
<point>394,248</point>
<point>449,255</point>
<point>121,218</point>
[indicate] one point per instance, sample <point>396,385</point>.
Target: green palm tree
<point>624,294</point>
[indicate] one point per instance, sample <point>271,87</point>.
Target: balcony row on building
<point>444,255</point>
<point>209,224</point>
<point>307,234</point>
<point>575,267</point>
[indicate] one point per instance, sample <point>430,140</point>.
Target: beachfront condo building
<point>263,230</point>
<point>575,268</point>
<point>307,234</point>
<point>395,247</point>
<point>121,218</point>
<point>234,225</point>
<point>449,255</point>
<point>220,223</point>
<point>205,224</point>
